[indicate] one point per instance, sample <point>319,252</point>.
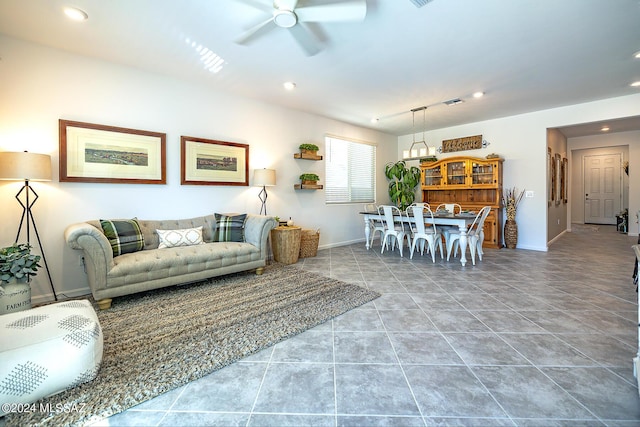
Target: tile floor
<point>524,338</point>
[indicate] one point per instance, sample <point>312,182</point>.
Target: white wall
<point>522,141</point>
<point>39,86</point>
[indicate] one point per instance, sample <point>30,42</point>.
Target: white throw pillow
<point>185,237</point>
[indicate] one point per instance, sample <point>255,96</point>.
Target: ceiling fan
<point>286,14</point>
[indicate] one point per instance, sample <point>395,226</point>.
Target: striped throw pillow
<point>229,228</point>
<point>125,236</point>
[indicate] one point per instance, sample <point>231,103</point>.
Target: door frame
<point>619,178</point>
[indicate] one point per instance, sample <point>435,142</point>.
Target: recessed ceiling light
<point>637,54</point>
<point>635,84</point>
<point>289,85</point>
<point>76,14</point>
<point>478,94</point>
<point>375,120</point>
<point>604,128</point>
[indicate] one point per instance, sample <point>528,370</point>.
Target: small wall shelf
<point>308,187</point>
<point>306,156</point>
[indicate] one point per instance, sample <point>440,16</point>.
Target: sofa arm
<point>256,231</point>
<point>98,254</point>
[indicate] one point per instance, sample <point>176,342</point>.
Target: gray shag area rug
<point>160,340</point>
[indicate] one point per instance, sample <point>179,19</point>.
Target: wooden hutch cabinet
<point>472,183</point>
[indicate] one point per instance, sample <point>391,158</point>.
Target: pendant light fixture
<point>417,152</point>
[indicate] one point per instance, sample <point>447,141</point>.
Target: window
<point>350,171</point>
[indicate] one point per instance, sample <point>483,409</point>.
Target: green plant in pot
<point>17,265</point>
<point>309,178</point>
<point>309,148</point>
<point>404,180</point>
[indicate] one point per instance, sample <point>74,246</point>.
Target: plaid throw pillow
<point>125,236</point>
<point>229,228</point>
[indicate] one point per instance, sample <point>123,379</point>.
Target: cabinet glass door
<point>481,173</point>
<point>456,173</point>
<point>432,176</point>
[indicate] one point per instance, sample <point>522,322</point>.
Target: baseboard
<point>550,242</point>
<point>531,248</point>
<point>67,294</point>
<point>345,243</point>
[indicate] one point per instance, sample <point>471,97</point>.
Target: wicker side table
<point>286,244</point>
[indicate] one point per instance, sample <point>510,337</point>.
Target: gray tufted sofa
<point>154,268</point>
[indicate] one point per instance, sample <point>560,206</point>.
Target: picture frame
<point>108,154</point>
<point>565,180</point>
<point>550,177</point>
<point>558,178</point>
<point>212,162</point>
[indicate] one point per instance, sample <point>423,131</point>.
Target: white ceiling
<point>526,55</point>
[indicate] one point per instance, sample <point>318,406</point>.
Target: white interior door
<point>602,188</point>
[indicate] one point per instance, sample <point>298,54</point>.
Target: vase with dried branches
<point>511,198</point>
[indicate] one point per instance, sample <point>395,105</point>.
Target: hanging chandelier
<point>419,149</point>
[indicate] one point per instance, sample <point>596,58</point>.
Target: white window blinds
<point>350,171</point>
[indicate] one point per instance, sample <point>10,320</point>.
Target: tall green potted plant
<point>17,265</point>
<point>404,180</point>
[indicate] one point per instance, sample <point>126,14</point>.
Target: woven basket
<point>309,243</point>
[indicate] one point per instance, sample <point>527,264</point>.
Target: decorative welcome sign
<point>462,144</point>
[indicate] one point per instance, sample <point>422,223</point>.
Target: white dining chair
<point>423,233</point>
<point>423,204</point>
<point>395,229</point>
<point>375,225</point>
<point>475,236</point>
<point>452,208</point>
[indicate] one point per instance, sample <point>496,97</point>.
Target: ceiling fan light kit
<point>285,18</point>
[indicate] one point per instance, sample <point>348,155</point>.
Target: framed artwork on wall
<point>211,162</point>
<point>550,177</point>
<point>109,154</point>
<point>565,180</point>
<point>558,178</point>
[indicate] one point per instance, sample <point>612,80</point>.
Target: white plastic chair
<point>475,236</point>
<point>423,233</point>
<point>395,231</point>
<point>375,225</point>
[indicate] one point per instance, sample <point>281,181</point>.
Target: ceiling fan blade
<point>256,31</point>
<point>285,4</point>
<point>263,5</point>
<point>305,39</point>
<point>352,10</point>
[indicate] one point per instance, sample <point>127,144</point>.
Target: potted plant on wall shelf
<point>17,265</point>
<point>310,149</point>
<point>309,178</point>
<point>402,188</point>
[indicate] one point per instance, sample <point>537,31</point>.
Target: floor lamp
<point>264,178</point>
<point>19,166</point>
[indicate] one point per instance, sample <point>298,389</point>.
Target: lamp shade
<point>23,166</point>
<point>264,177</point>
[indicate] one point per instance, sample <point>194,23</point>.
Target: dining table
<point>462,220</point>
